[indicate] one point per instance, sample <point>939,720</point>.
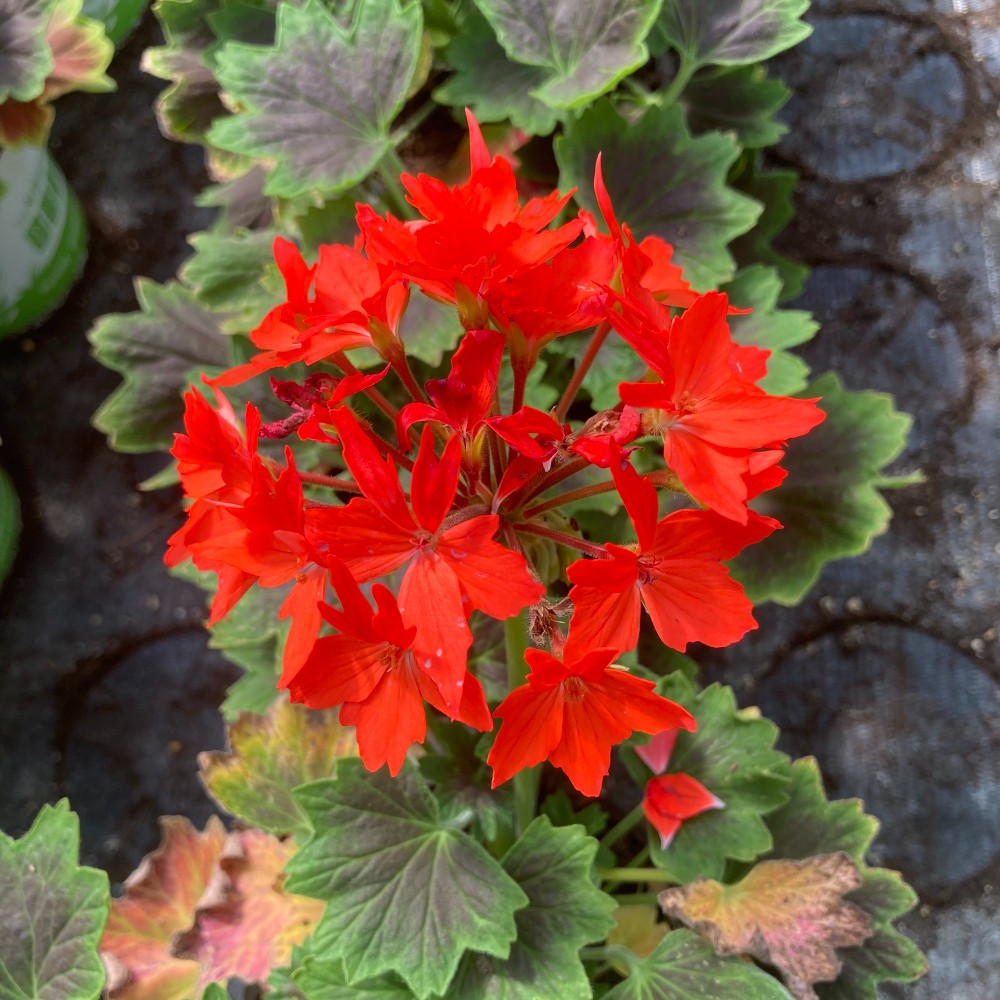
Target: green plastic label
<point>44,238</point>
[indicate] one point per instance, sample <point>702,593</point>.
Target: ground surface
<point>889,671</point>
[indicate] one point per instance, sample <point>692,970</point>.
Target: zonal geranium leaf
<point>773,189</point>
<point>53,912</point>
<point>584,46</point>
<point>684,967</point>
<point>728,32</point>
<point>829,504</point>
<point>662,182</point>
<point>246,923</point>
<point>406,893</point>
<point>809,824</point>
<point>234,273</point>
<point>789,914</point>
<point>742,100</point>
<point>565,911</point>
<point>732,754</point>
<point>81,51</point>
<point>490,84</point>
<point>160,899</point>
<point>25,57</point>
<point>269,755</point>
<point>757,287</point>
<point>321,100</point>
<point>154,349</point>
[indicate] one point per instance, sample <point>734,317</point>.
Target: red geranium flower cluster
<point>424,517</point>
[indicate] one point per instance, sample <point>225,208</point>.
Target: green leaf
<point>257,689</point>
<point>729,32</point>
<point>234,273</point>
<point>270,755</point>
<point>215,991</point>
<point>757,287</point>
<point>154,349</point>
<point>584,46</point>
<point>732,754</point>
<point>429,329</point>
<point>662,182</point>
<point>566,910</point>
<point>490,84</point>
<point>742,100</point>
<point>53,912</point>
<point>810,824</point>
<point>25,57</point>
<point>241,201</point>
<point>829,504</point>
<point>225,267</point>
<point>684,967</point>
<point>773,189</point>
<point>323,980</point>
<point>321,101</point>
<point>327,220</point>
<point>10,523</point>
<point>461,782</point>
<point>406,893</point>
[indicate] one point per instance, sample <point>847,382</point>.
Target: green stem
<point>623,826</point>
<point>685,71</point>
<point>633,875</point>
<point>389,169</point>
<point>635,898</point>
<point>526,780</point>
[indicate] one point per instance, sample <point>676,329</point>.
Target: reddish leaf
<point>246,924</point>
<point>201,908</point>
<point>160,900</point>
<point>790,914</point>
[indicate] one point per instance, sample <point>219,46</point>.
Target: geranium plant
<point>469,465</point>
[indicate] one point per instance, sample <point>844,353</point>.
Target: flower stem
<point>402,368</point>
<point>578,494</point>
<point>526,780</point>
<point>623,826</point>
<point>589,548</point>
<point>348,485</point>
<point>633,875</point>
<point>600,335</point>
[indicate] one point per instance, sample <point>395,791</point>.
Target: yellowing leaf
<point>246,923</point>
<point>269,755</point>
<point>637,929</point>
<point>160,900</point>
<point>791,914</point>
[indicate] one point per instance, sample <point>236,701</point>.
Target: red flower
<point>572,712</point>
<point>676,574</point>
<point>672,798</point>
<point>647,265</point>
<point>552,299</point>
<point>463,399</point>
<point>356,303</point>
<point>712,420</point>
<point>449,570</point>
<point>476,234</point>
<point>374,670</point>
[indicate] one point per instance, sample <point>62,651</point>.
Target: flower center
<point>574,690</point>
